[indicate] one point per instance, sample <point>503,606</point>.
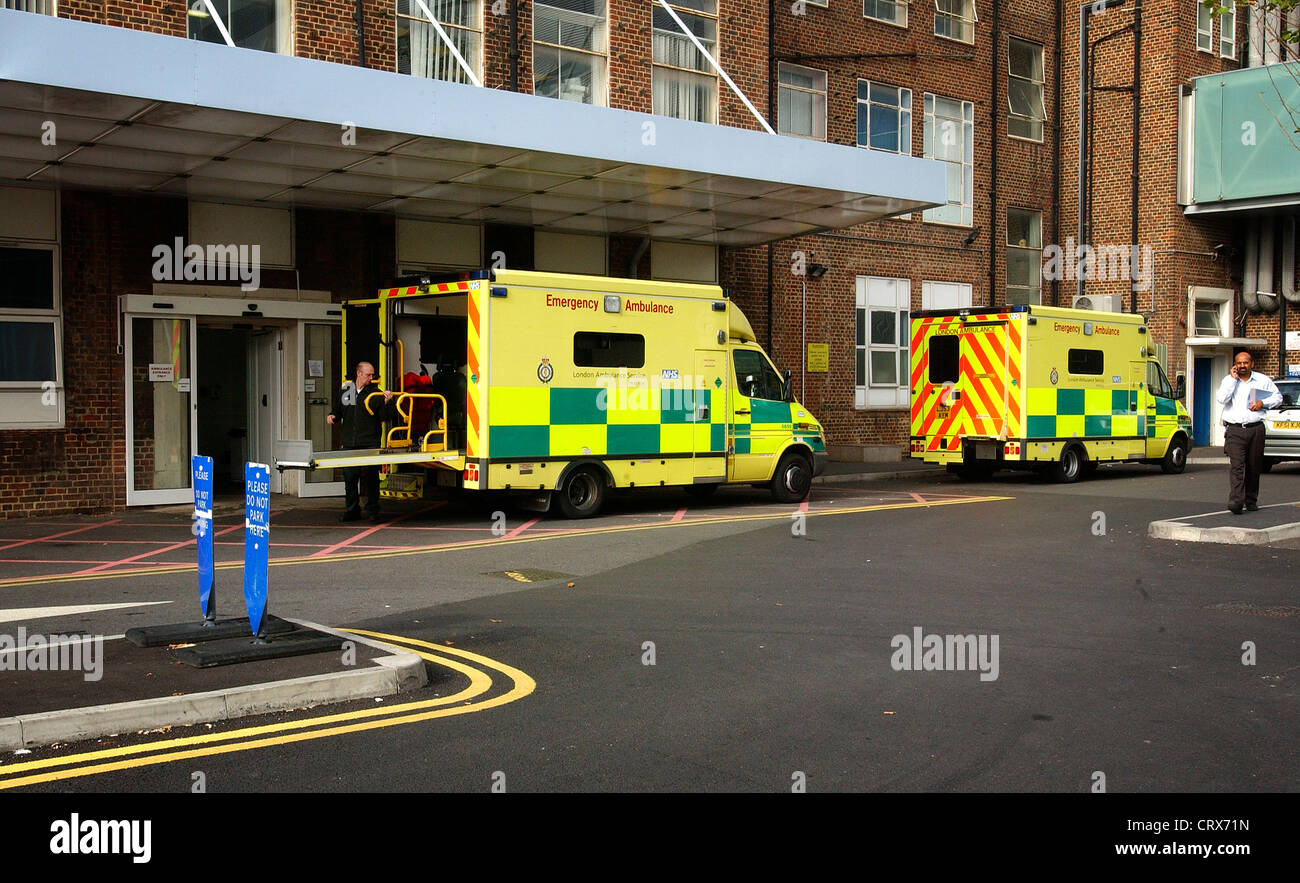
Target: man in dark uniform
<point>361,430</point>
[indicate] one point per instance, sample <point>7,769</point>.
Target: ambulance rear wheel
<point>793,479</point>
<point>1070,467</point>
<point>583,494</point>
<point>1175,460</point>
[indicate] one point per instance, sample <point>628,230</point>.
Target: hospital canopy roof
<point>142,112</point>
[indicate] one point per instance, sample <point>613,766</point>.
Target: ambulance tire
<point>583,494</point>
<point>1175,460</point>
<point>1071,467</point>
<point>792,479</point>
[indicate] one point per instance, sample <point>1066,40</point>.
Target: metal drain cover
<point>1254,609</point>
<point>529,575</point>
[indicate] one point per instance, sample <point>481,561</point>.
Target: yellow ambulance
<point>1048,388</point>
<point>561,388</point>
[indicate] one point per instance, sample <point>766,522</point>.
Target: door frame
<point>161,496</point>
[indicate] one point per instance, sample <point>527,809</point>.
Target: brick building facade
<point>874,74</point>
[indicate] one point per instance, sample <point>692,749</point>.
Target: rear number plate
<point>1287,424</point>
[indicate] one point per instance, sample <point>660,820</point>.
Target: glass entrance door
<point>161,414</point>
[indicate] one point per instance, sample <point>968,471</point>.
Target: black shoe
<point>350,516</point>
<point>1252,507</point>
<point>1235,508</point>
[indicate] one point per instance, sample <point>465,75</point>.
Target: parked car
<point>1282,426</point>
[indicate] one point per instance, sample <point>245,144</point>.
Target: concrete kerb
<point>844,477</point>
<point>1180,529</point>
<point>390,675</point>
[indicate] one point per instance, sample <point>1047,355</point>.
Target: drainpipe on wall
<point>1250,272</point>
<point>514,45</point>
<point>359,15</point>
<point>1056,152</point>
<point>1267,297</point>
<point>993,164</point>
<point>1137,124</point>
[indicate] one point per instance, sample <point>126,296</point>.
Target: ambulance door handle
<point>702,413</point>
<point>742,410</point>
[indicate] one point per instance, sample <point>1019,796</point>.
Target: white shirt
<point>1236,395</point>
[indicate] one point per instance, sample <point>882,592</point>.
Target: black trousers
<point>1244,446</point>
<point>364,479</point>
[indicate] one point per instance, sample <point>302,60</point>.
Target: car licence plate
<point>1286,424</point>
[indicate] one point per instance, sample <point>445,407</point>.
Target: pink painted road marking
<point>57,535</point>
<point>680,514</point>
<point>521,528</point>
<point>917,497</point>
<point>135,558</point>
<point>368,531</point>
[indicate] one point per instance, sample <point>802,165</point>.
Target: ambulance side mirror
<point>787,393</point>
<point>1180,389</point>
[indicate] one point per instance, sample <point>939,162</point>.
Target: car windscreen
<point>1290,393</point>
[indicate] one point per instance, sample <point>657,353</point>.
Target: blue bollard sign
<point>257,539</point>
<point>202,475</point>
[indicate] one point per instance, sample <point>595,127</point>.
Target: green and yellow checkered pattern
<point>1080,413</point>
<point>567,421</point>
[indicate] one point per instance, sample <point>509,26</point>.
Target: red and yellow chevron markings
<point>988,382</point>
<point>472,361</point>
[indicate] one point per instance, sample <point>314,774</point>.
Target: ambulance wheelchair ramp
<point>297,454</point>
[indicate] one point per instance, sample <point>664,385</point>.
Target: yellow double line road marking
<point>495,541</point>
<point>125,757</point>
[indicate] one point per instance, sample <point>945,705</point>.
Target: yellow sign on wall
<point>819,358</point>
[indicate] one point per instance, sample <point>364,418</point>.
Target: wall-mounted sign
<point>161,373</point>
<point>819,358</point>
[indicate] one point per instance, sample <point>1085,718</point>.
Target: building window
<point>955,19</point>
<point>1204,28</point>
<point>569,50</point>
<point>40,7</point>
<point>1024,257</point>
<point>1025,90</point>
<point>892,11</point>
<point>422,53</point>
<point>884,117</point>
<point>946,295</point>
<point>252,24</point>
<point>685,85</point>
<point>1208,316</point>
<point>31,363</point>
<point>1228,32</point>
<point>801,101</point>
<point>950,137</point>
<point>881,361</point>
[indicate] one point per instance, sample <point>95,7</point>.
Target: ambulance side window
<point>1086,362</point>
<point>943,359</point>
<point>604,349</point>
<point>755,377</point>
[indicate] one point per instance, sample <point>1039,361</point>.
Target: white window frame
<point>284,21</point>
<point>416,15</point>
<point>1228,32</point>
<point>709,74</point>
<point>967,19</point>
<point>900,9</point>
<point>1204,29</point>
<point>967,127</point>
<point>904,93</point>
<point>600,86</point>
<point>1032,249</point>
<point>938,295</point>
<point>882,294</point>
<point>1216,298</point>
<point>1042,97</point>
<point>38,7</point>
<point>26,397</point>
<point>818,96</point>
